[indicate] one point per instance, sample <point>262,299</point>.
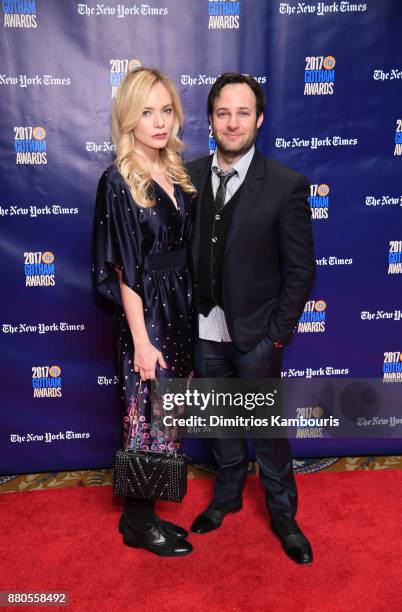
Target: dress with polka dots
<point>150,247</point>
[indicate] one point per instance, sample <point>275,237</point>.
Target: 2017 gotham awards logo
<point>19,13</point>
<point>398,138</point>
<point>319,75</point>
<point>30,145</point>
<point>392,368</point>
<point>319,201</point>
<point>223,15</point>
<point>46,381</point>
<point>119,69</point>
<point>39,269</point>
<point>395,257</point>
<point>313,318</point>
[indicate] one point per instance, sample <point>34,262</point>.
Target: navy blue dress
<point>150,247</point>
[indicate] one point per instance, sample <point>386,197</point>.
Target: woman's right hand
<point>146,356</point>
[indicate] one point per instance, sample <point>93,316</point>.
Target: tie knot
<point>224,177</point>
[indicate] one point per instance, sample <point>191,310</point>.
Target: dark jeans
<point>224,360</point>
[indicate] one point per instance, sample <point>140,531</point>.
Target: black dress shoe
<point>157,540</point>
<point>294,542</point>
<point>179,531</point>
<point>213,516</point>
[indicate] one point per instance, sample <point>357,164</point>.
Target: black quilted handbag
<point>149,475</point>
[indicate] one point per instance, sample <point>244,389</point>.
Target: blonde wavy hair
<point>130,102</point>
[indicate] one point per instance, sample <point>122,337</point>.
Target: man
<point>254,268</point>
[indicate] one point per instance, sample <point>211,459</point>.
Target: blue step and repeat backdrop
<point>332,72</point>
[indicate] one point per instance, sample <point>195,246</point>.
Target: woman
<point>142,229</point>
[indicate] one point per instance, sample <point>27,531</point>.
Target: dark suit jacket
<point>269,265</point>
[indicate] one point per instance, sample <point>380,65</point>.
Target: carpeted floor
<point>67,540</point>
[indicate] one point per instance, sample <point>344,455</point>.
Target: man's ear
<point>260,120</point>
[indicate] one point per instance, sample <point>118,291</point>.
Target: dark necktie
<point>224,178</point>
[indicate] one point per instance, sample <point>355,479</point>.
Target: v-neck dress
<point>150,247</point>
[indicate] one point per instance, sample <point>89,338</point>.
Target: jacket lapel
<point>249,191</point>
<point>199,177</point>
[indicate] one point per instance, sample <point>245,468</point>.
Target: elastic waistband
<point>163,261</point>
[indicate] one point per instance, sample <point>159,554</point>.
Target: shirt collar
<point>241,166</point>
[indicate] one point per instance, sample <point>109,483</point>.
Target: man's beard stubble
<point>240,151</point>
